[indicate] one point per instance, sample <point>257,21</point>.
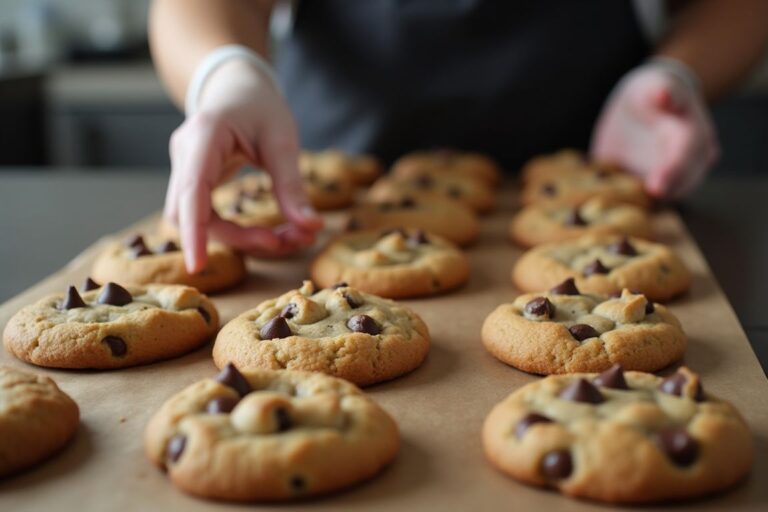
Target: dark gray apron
<point>510,78</point>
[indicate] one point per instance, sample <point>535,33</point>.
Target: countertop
<point>48,216</point>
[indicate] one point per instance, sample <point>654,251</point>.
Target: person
<point>513,79</point>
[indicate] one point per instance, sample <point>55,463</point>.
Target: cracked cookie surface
<point>395,264</point>
<point>340,331</point>
<point>540,224</point>
<point>619,437</point>
<point>264,435</point>
<point>604,265</point>
<point>563,331</point>
<point>155,259</point>
<point>36,419</point>
<point>111,326</point>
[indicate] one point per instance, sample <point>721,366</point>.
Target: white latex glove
<point>656,124</point>
<point>240,118</point>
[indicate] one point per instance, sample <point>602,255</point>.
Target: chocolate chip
<point>297,484</point>
<point>275,328</point>
<point>134,241</point>
<point>73,300</point>
<point>612,378</point>
<point>205,314</point>
<point>289,311</point>
<point>649,307</point>
<point>342,284</point>
<point>115,295</point>
<point>353,224</point>
<point>540,306</point>
<point>236,208</point>
<point>139,250</point>
<point>221,405</point>
<point>557,465</point>
<point>674,384</point>
<point>548,189</point>
<point>581,332</point>
<point>407,202</point>
<point>596,267</point>
<point>419,237</point>
<point>363,323</point>
<point>175,447</point>
<point>283,420</point>
<point>351,301</point>
<point>581,390</point>
<point>574,218</point>
<point>331,186</point>
<point>90,284</point>
<point>231,376</point>
<point>424,181</point>
<point>169,246</point>
<point>455,192</point>
<point>529,419</point>
<point>567,287</point>
<point>623,247</point>
<point>603,174</point>
<point>116,345</point>
<point>678,444</point>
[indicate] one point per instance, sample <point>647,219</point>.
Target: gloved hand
<point>656,124</point>
<point>241,118</point>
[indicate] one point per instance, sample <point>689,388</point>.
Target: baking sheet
<point>439,407</point>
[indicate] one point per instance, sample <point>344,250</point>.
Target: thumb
<point>280,157</point>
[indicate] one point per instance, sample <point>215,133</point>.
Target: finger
<point>677,140</point>
<point>296,236</point>
<point>252,238</point>
<point>280,156</point>
<point>171,210</point>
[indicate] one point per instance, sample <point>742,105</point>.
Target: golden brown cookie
<point>145,259</point>
<point>339,331</point>
<point>248,201</point>
<point>443,161</point>
<point>395,264</point>
<point>36,419</point>
<point>604,265</point>
<point>443,217</point>
<point>563,331</point>
<point>111,326</point>
<point>326,187</point>
<point>540,224</point>
<point>265,435</point>
<point>361,169</point>
<point>620,437</point>
<point>472,193</point>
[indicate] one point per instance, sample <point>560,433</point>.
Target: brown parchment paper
<point>439,407</point>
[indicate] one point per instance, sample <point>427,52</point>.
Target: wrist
<point>678,70</point>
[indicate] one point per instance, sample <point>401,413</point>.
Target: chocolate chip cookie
<point>563,331</point>
<point>265,435</point>
<point>445,161</point>
<point>36,419</point>
<point>111,326</point>
<point>394,263</point>
<point>540,224</point>
<point>619,437</point>
<point>326,188</point>
<point>248,201</point>
<point>443,217</point>
<point>553,166</point>
<point>144,259</point>
<point>604,265</point>
<point>474,194</point>
<point>340,331</point>
<point>361,169</point>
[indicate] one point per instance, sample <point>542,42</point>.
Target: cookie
<point>472,193</point>
<point>564,331</point>
<point>111,326</point>
<point>36,419</point>
<point>476,166</point>
<point>340,331</point>
<point>248,201</point>
<point>395,264</point>
<point>144,259</point>
<point>443,217</point>
<point>361,169</point>
<point>572,184</point>
<point>327,189</point>
<point>604,265</point>
<point>556,165</point>
<point>540,224</point>
<point>264,435</point>
<point>619,437</point>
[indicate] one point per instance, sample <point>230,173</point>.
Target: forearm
<point>720,40</point>
<point>182,32</point>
